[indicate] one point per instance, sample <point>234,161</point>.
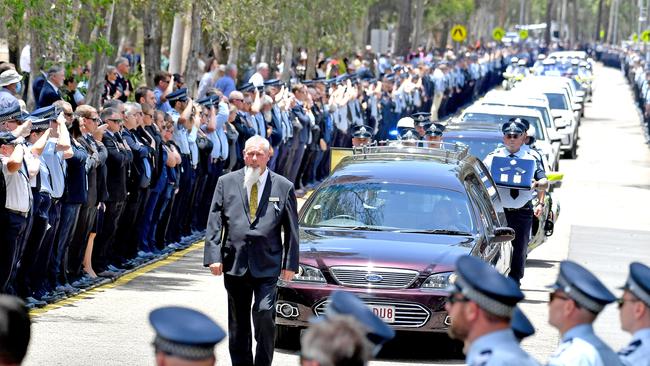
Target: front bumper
<point>415,309</point>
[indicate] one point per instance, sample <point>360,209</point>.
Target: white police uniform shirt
<point>194,148</point>
<point>180,133</point>
<point>498,348</point>
<point>18,194</point>
<point>637,353</point>
<point>524,196</point>
<point>581,347</point>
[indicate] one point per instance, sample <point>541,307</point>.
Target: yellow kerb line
<point>118,282</point>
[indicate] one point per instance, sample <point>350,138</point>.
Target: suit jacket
<point>117,163</point>
<point>48,96</point>
<point>257,246</point>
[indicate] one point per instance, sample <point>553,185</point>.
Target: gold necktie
<point>253,201</point>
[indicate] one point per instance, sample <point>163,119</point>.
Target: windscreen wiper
<point>437,231</point>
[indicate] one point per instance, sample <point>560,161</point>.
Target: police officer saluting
<point>634,307</point>
<point>481,304</point>
<point>513,169</point>
<point>576,301</point>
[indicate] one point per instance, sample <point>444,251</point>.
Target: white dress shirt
<point>260,186</point>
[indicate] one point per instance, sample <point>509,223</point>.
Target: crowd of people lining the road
<point>89,193</point>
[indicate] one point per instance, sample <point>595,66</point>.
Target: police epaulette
<point>630,348</point>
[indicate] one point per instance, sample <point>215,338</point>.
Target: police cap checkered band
<point>13,116</point>
<point>578,296</point>
<point>638,291</point>
<point>184,351</point>
<point>484,301</point>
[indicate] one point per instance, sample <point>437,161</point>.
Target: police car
<point>558,83</point>
<point>388,225</point>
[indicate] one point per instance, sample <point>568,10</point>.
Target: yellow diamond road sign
<point>498,33</point>
<point>645,36</point>
<point>458,33</point>
<point>523,34</point>
<point>635,37</point>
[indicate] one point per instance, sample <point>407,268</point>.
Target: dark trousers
<point>77,249</point>
<point>215,170</point>
<point>262,293</point>
<point>161,217</point>
<point>47,256</point>
<point>180,207</point>
<point>126,240</point>
<point>521,220</point>
<point>294,160</point>
<point>69,215</point>
<point>28,268</point>
<point>103,247</point>
<point>165,219</point>
<point>13,226</point>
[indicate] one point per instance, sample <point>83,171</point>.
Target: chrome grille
<point>408,315</point>
<point>373,277</point>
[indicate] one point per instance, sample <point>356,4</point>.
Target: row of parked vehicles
<point>390,221</point>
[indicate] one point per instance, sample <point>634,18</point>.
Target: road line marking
<point>122,280</point>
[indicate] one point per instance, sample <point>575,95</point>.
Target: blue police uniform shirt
<point>7,99</point>
<point>165,107</point>
<point>194,148</point>
<point>180,133</point>
<point>498,348</point>
<point>581,346</point>
<point>56,166</point>
<point>524,196</point>
<point>218,136</point>
<point>637,353</point>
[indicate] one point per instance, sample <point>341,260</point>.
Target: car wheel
<point>287,337</point>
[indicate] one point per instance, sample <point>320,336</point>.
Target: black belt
<point>527,207</point>
<point>23,214</point>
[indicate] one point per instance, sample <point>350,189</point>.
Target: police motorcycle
<point>516,72</point>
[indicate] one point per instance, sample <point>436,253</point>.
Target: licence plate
<point>385,313</point>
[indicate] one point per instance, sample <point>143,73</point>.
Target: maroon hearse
<point>387,225</point>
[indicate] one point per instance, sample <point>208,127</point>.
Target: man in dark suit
<point>50,91</point>
<point>250,209</point>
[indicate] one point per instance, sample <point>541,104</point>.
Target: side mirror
<point>576,107</point>
<point>561,123</point>
<point>580,94</point>
<point>503,234</point>
<point>556,113</point>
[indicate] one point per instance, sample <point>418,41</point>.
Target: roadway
<point>603,224</point>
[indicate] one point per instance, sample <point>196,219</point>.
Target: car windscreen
<point>390,207</point>
<point>501,119</point>
<point>542,110</point>
<point>478,147</point>
<point>557,101</point>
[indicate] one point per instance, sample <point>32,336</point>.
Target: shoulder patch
<point>482,358</point>
<point>630,348</point>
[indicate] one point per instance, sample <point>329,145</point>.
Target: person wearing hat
<point>517,203</point>
<point>481,303</point>
<point>343,303</point>
<point>422,122</point>
<point>433,134</point>
<point>362,135</point>
<point>16,204</point>
<point>10,87</point>
<point>184,337</point>
<point>339,341</point>
<point>576,299</point>
<point>15,331</point>
<point>634,311</point>
<point>521,325</point>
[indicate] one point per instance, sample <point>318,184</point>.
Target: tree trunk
<point>574,22</point>
<point>404,28</point>
<point>374,19</point>
<point>233,55</point>
<point>600,12</point>
<point>419,15</point>
<point>176,47</point>
<point>287,58</point>
<point>99,64</point>
<point>444,36</point>
<point>192,72</point>
<point>549,18</point>
<point>187,35</point>
<point>312,57</point>
<point>152,41</point>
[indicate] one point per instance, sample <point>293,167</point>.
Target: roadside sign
<point>498,33</point>
<point>635,37</point>
<point>458,33</point>
<point>523,34</point>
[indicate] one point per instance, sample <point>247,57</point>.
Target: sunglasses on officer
<point>512,135</point>
<point>453,298</point>
<point>621,301</point>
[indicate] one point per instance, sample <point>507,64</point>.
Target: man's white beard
<point>251,176</point>
<point>268,116</point>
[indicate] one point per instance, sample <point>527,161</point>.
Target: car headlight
<point>309,274</point>
<point>439,281</point>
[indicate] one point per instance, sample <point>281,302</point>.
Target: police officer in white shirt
<point>517,203</point>
<point>634,308</point>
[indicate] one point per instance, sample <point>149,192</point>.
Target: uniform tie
<point>253,202</point>
<point>514,193</point>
